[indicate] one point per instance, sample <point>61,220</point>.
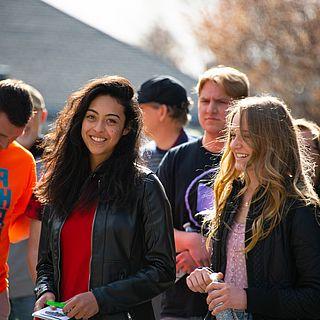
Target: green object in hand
<point>55,304</point>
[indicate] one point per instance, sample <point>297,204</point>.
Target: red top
<point>34,208</point>
<point>75,247</point>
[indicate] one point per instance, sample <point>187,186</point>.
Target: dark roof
<point>58,53</point>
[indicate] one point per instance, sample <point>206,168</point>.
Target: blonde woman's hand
<point>41,302</point>
<point>199,279</point>
<point>222,296</point>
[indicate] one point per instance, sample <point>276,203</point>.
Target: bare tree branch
<point>161,42</point>
<point>277,43</point>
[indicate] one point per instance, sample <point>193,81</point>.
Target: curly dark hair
<point>68,180</point>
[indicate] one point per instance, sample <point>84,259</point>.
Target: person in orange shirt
<point>17,176</point>
<point>22,298</point>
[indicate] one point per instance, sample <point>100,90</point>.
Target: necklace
<point>246,203</point>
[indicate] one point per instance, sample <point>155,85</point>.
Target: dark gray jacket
<point>283,270</point>
<point>133,257</point>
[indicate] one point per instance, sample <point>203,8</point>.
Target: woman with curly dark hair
<point>106,245</point>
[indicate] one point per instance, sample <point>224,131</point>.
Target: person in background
<point>93,182</point>
<point>17,178</point>
<point>165,108</point>
<point>185,173</point>
<point>31,137</point>
<point>311,136</point>
<point>21,293</point>
<point>265,229</point>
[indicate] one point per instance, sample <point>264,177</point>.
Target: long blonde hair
<point>278,160</point>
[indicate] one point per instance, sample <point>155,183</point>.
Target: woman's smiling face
<point>102,128</point>
<point>240,142</point>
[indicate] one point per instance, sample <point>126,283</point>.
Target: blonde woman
<point>264,231</point>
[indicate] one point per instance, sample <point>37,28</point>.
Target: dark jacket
<point>133,257</point>
<point>283,269</point>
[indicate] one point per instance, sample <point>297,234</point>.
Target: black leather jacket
<point>283,270</point>
<point>133,256</point>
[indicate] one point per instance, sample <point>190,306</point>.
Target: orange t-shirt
<point>17,179</point>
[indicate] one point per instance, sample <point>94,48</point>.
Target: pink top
<point>236,270</point>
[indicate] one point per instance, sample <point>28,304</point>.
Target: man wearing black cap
<point>165,107</point>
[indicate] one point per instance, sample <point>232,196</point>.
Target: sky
<point>130,20</point>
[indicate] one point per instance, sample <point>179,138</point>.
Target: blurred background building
<point>276,43</point>
<point>57,53</point>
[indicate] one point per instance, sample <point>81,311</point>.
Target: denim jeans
<point>22,308</point>
<point>4,305</point>
<point>242,315</point>
<point>234,315</point>
<point>179,318</point>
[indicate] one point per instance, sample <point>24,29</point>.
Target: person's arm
<point>191,241</point>
<point>158,273</point>
<point>19,222</point>
<point>45,270</point>
<point>195,243</point>
<point>302,299</point>
<point>34,212</point>
<point>33,246</point>
<point>185,263</point>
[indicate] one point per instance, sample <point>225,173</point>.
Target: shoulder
<point>148,178</point>
<point>191,138</point>
<point>16,149</point>
<point>146,175</point>
<point>303,225</point>
<point>184,149</point>
<point>304,216</point>
<point>193,144</point>
<point>17,158</point>
<point>297,207</point>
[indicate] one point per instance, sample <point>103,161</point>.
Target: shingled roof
<point>58,53</point>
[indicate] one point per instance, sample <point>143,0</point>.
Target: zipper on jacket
<point>59,255</point>
<point>94,219</point>
<point>122,275</point>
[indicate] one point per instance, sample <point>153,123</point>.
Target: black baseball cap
<point>164,90</point>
